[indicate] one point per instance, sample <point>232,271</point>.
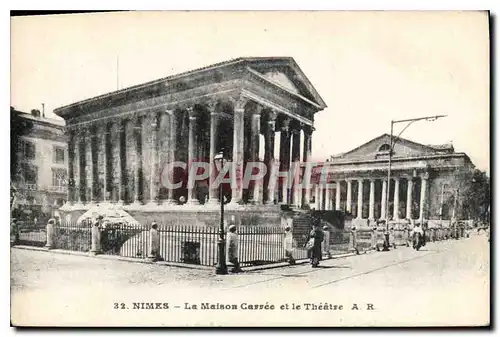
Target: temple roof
<point>282,72</point>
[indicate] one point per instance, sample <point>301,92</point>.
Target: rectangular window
<point>28,149</point>
<point>58,155</point>
<point>59,177</point>
<point>30,174</point>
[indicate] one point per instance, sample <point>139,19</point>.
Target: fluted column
<point>337,196</point>
<point>71,163</point>
<point>317,195</point>
<point>101,162</point>
<point>269,155</point>
<point>395,215</point>
<point>383,200</point>
<point>296,162</point>
<point>423,196</point>
<point>328,199</point>
<point>88,167</point>
<point>238,148</point>
<point>306,157</point>
<point>94,169</point>
<point>254,151</point>
<point>285,157</point>
<point>192,149</point>
<point>349,196</point>
<point>153,186</point>
<point>371,209</point>
<point>214,147</point>
<point>360,199</point>
<point>409,201</point>
<point>78,168</point>
<point>138,158</point>
<point>171,143</point>
<point>321,197</point>
<point>121,175</point>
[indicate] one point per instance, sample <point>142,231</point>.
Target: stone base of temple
<point>189,215</point>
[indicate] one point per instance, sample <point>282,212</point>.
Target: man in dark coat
<point>317,236</point>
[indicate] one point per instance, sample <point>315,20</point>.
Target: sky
<point>369,67</point>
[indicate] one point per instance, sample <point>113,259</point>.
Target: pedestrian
<point>316,237</point>
<point>154,243</point>
<point>288,245</point>
<point>232,249</point>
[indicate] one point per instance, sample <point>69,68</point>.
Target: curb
<point>171,264</point>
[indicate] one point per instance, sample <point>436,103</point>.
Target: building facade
<point>119,143</point>
<point>41,174</point>
<point>424,181</point>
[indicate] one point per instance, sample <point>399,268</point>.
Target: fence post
<point>50,234</point>
<point>96,239</point>
<point>353,244</point>
<point>154,243</point>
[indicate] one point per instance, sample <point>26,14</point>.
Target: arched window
<point>384,147</point>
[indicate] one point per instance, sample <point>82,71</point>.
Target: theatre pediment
<point>378,148</point>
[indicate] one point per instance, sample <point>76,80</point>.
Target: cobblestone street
<point>452,278</point>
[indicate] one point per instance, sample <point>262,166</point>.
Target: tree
<point>19,126</point>
<point>472,187</point>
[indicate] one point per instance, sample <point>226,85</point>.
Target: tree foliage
<point>19,126</point>
<point>473,190</point>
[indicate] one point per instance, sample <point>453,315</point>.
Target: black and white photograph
<point>250,169</point>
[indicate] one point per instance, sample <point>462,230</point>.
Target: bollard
<point>154,243</point>
<point>95,239</point>
<point>288,245</point>
<point>353,245</point>
<point>392,237</point>
<point>50,234</point>
<point>374,239</point>
<point>325,245</point>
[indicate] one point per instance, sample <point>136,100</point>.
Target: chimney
<point>43,110</point>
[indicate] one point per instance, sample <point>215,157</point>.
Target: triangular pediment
<point>378,148</point>
<point>285,72</point>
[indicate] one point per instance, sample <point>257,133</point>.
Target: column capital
<point>424,175</point>
<point>239,101</point>
<point>360,180</point>
<point>272,115</point>
<point>211,105</point>
<point>286,124</point>
<point>295,131</point>
<point>193,114</point>
<point>308,130</point>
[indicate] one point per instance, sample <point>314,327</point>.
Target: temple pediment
<point>285,72</point>
<point>378,148</point>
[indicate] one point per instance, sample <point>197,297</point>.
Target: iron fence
<point>257,244</point>
<point>28,233</point>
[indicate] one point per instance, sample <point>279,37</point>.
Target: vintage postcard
<point>258,169</point>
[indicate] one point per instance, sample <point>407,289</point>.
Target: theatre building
<point>424,181</point>
<point>257,109</point>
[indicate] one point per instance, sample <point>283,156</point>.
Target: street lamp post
<point>221,267</point>
<point>391,148</point>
